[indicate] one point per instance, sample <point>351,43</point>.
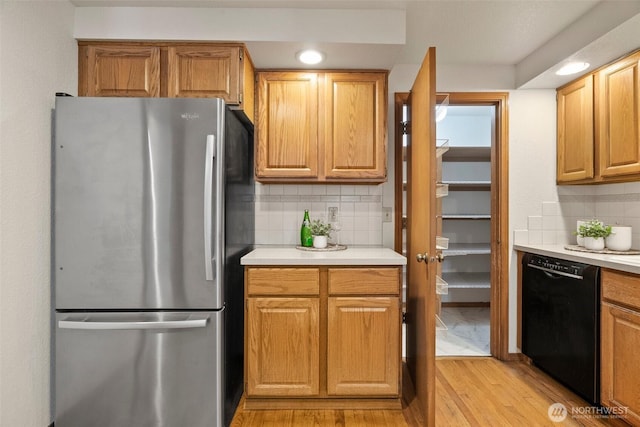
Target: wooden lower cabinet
<point>620,340</point>
<point>320,337</point>
<point>362,346</point>
<point>283,339</point>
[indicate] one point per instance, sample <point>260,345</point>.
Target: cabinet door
<point>282,347</point>
<point>355,128</point>
<point>620,339</point>
<point>363,346</point>
<point>575,151</point>
<point>618,117</point>
<point>119,71</point>
<point>287,125</point>
<point>204,72</point>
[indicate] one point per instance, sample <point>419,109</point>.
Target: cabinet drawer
<point>283,281</point>
<point>369,281</point>
<point>620,287</point>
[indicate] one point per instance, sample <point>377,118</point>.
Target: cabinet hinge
<point>241,54</point>
<point>405,127</point>
<point>404,317</point>
<point>404,222</point>
<point>240,98</point>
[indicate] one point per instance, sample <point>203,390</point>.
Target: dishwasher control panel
<point>557,265</point>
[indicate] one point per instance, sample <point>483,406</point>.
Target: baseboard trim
<point>466,304</point>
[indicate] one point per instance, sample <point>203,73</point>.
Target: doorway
<point>472,300</point>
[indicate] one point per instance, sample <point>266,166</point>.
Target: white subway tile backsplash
<point>276,189</point>
<point>280,209</point>
<point>550,208</point>
<point>375,190</point>
<point>319,190</point>
<point>290,189</point>
<point>333,190</point>
<point>535,237</point>
<point>305,189</point>
<point>611,204</point>
<point>549,237</point>
<point>534,222</point>
<point>348,190</point>
<point>550,222</point>
<point>521,237</point>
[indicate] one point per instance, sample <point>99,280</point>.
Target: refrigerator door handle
<point>208,212</point>
<point>87,323</point>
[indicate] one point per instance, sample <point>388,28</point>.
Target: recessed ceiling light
<point>572,68</point>
<point>310,57</point>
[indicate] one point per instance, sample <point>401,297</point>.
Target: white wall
<point>38,57</point>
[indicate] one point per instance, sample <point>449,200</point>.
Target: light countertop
<point>628,263</point>
<point>352,256</point>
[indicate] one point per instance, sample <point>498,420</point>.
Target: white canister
<point>619,239</point>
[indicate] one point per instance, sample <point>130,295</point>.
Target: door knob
<point>422,257</point>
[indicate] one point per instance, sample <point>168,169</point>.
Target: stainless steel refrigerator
<point>152,208</point>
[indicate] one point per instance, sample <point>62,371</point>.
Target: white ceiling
<point>535,37</point>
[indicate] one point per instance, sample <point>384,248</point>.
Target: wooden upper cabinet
<point>321,127</point>
<point>599,125</point>
<point>618,117</point>
<point>163,69</point>
<point>119,71</point>
<point>287,125</point>
<point>575,131</point>
<point>355,125</point>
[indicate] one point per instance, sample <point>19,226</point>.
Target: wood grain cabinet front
<point>618,118</point>
<point>321,127</point>
<point>620,339</point>
<point>575,131</point>
<point>112,70</point>
<point>150,69</point>
<point>322,334</point>
<point>599,125</point>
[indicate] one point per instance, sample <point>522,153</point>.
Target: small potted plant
<point>594,232</point>
<point>320,232</point>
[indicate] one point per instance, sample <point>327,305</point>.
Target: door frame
<point>499,307</point>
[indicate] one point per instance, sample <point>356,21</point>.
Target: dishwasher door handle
<point>554,272</point>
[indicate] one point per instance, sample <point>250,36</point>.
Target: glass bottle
<point>306,239</point>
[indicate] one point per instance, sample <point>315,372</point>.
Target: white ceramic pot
<point>594,243</point>
<point>619,239</point>
<point>319,242</point>
<point>580,239</point>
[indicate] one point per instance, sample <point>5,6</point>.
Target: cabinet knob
<point>423,257</point>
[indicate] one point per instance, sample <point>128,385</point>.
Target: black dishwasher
<point>561,321</point>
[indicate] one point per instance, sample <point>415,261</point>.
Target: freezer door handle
<point>208,211</point>
<point>88,323</point>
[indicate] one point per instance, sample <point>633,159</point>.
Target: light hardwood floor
<point>474,391</point>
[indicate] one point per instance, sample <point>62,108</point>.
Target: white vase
<point>319,242</point>
<point>594,243</point>
<point>579,239</point>
<point>619,239</point>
